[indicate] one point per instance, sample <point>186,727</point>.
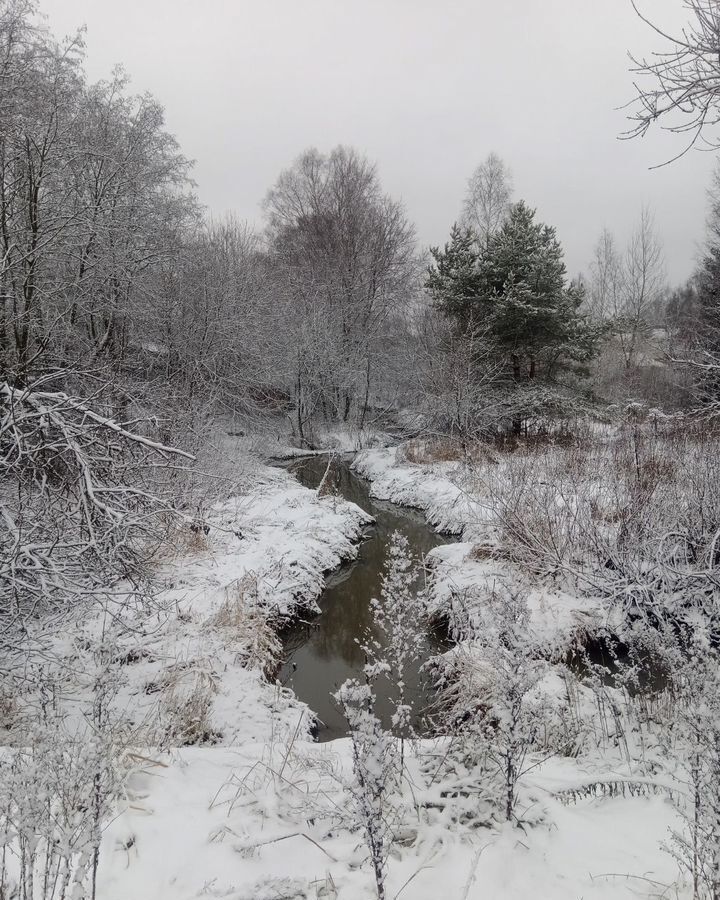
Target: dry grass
<point>484,551</point>
<point>429,450</point>
<point>186,714</point>
<point>187,690</point>
<point>182,539</point>
<point>246,627</point>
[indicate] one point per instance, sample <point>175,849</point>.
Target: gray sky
<point>426,88</point>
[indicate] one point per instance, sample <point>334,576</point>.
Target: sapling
<point>54,796</point>
<point>489,691</point>
<point>398,616</point>
<point>375,771</point>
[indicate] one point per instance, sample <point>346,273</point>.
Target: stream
<point>321,653</point>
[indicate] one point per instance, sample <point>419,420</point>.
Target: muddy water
<point>322,653</point>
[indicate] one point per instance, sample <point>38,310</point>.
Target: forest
<point>213,430</point>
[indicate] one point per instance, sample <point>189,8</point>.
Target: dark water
<point>322,653</point>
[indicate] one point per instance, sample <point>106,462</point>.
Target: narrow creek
<point>322,653</point>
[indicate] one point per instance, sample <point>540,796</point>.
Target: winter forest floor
<point>237,801</point>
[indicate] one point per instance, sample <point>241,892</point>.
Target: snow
<point>439,490</point>
<point>466,571</point>
<point>233,823</point>
<point>460,582</point>
<point>210,628</point>
<point>260,812</point>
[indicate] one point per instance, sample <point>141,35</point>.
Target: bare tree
<point>603,297</point>
<point>93,194</point>
<point>344,253</point>
<point>40,89</point>
<point>487,199</point>
<point>643,286</point>
<point>680,86</point>
<point>458,383</point>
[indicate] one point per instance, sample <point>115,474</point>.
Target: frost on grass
<point>375,775</point>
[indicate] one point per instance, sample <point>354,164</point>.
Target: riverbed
<point>324,651</point>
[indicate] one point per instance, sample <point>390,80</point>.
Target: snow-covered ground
<point>439,490</point>
<point>256,822</point>
<point>610,846</point>
<point>258,811</point>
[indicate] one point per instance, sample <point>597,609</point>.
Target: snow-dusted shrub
<point>694,737</point>
<point>55,796</point>
<point>399,615</point>
<point>488,693</point>
<point>633,517</point>
<point>375,770</point>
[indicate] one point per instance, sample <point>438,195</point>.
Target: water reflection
<point>322,653</point>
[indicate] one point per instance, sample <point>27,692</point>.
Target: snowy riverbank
<point>466,571</point>
<point>252,809</point>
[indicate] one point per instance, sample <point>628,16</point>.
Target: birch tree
<point>488,197</point>
<point>643,285</point>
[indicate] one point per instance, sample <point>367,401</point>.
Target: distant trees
<point>628,294</point>
<point>603,299</point>
<point>643,287</point>
<point>488,197</point>
<point>708,278</point>
<point>696,311</point>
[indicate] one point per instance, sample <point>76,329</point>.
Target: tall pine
<point>516,289</point>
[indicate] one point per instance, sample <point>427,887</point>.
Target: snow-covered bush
<point>488,694</point>
<point>633,517</point>
<point>79,503</point>
<point>375,770</point>
<point>694,737</point>
<point>398,616</point>
<point>55,797</point>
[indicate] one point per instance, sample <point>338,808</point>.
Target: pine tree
<point>535,316</point>
<point>454,280</point>
<point>516,289</point>
<point>708,284</point>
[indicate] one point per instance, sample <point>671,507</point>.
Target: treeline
<point>111,272</point>
<point>112,276</point>
<point>130,322</point>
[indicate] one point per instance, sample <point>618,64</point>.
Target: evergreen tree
<point>454,280</point>
<point>708,300</point>
<point>516,289</point>
<point>707,325</point>
<point>535,315</point>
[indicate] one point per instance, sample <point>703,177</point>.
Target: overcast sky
<point>426,88</point>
